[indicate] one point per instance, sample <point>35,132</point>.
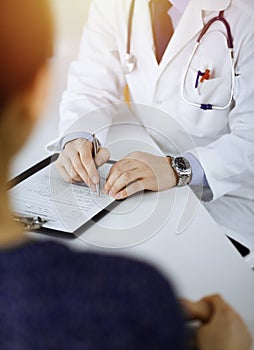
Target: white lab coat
<point>223,141</point>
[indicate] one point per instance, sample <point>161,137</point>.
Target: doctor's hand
<point>137,172</point>
<point>76,163</point>
<point>221,327</point>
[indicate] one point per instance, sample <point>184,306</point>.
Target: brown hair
<point>26,36</point>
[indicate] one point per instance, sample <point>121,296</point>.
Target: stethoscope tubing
<point>207,106</point>
<point>220,18</point>
<point>131,59</point>
<point>130,20</point>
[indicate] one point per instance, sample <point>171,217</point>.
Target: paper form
<point>65,206</point>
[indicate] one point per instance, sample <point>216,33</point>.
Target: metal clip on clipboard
<point>30,223</point>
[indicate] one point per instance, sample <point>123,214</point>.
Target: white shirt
<point>177,10</point>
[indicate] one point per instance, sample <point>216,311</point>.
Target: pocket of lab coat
<point>216,90</point>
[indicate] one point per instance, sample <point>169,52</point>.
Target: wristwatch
<point>182,169</point>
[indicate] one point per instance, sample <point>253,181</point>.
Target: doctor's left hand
<point>139,171</point>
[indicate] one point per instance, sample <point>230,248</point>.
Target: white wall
<point>70,16</point>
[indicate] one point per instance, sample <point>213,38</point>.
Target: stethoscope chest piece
<point>130,63</point>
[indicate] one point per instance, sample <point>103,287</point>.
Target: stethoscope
<point>131,61</point>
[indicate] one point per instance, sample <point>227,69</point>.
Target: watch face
<point>182,163</point>
<point>183,171</point>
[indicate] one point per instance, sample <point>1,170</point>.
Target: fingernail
<point>111,194</point>
<point>95,180</point>
<point>118,196</point>
<point>104,191</point>
<point>93,188</point>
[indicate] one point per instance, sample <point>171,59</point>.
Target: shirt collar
<point>180,5</point>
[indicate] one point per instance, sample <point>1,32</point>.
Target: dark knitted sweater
<point>53,298</point>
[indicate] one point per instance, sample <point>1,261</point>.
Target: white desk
<point>199,258</point>
<point>173,231</point>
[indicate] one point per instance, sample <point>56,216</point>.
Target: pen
<point>95,151</point>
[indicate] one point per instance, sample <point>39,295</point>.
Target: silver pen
<point>95,151</point>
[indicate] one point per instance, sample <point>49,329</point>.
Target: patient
<point>50,297</point>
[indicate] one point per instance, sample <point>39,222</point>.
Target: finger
<point>131,189</point>
<point>80,169</point>
<point>66,169</point>
<point>102,157</point>
<point>199,310</point>
<point>87,161</point>
<point>215,301</point>
<point>123,181</point>
<point>219,306</point>
<point>64,174</point>
<point>116,171</point>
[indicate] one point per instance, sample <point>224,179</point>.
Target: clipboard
<point>38,222</point>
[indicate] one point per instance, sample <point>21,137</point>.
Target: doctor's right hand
<point>76,163</point>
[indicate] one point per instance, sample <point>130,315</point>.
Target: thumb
<point>102,156</point>
<point>199,310</point>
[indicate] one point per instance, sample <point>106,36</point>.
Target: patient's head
<point>26,36</point>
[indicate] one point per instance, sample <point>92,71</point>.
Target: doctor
<point>208,92</point>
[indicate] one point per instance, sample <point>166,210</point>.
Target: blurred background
<point>70,18</point>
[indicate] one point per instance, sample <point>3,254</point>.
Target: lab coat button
<point>158,102</point>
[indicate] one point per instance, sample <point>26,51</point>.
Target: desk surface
<point>171,230</point>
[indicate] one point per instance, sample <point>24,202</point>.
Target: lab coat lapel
<point>190,25</point>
